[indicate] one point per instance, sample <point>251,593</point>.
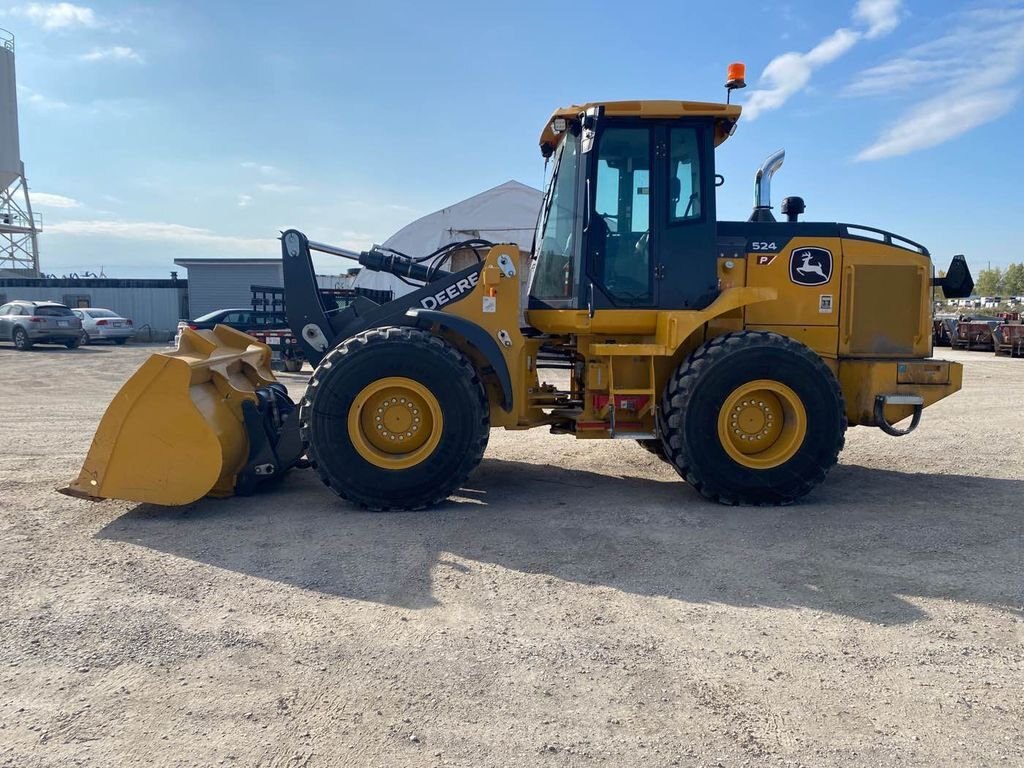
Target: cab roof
<point>726,114</point>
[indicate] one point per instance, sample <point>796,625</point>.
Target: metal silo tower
<point>19,227</point>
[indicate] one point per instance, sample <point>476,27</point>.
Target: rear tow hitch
<point>883,400</point>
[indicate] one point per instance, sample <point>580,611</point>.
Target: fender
<point>475,335</point>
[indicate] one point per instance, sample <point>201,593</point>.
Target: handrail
<point>7,39</point>
<point>889,238</point>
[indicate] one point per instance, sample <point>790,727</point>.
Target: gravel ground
<point>577,605</point>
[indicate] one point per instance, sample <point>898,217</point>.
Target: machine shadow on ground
<point>864,545</point>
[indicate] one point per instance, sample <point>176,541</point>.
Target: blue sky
<point>154,131</point>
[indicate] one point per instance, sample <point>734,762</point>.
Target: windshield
<point>553,276</point>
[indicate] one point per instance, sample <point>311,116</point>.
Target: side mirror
<point>958,283</point>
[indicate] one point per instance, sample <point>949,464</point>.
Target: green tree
<point>1013,280</point>
<point>989,282</point>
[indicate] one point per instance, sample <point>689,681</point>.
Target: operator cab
<point>628,219</point>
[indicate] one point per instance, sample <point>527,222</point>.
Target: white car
<point>104,325</point>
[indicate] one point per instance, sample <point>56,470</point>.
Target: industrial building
<point>225,283</point>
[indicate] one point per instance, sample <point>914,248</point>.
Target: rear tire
<point>753,418</point>
<point>21,340</point>
<point>73,343</point>
<point>120,342</point>
<point>293,366</point>
<point>366,402</point>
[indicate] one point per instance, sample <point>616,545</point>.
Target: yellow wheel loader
<point>738,351</point>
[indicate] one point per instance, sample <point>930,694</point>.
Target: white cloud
<point>160,232</point>
<point>278,188</point>
<point>40,101</point>
<point>789,73</point>
<point>967,73</point>
<point>47,200</point>
<point>56,15</point>
<point>937,121</point>
<point>116,53</point>
<point>244,200</point>
<point>880,16</point>
<point>266,170</point>
<point>832,47</point>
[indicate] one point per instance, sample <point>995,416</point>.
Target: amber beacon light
<point>735,77</point>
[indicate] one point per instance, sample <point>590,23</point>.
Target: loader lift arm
<point>317,328</point>
<point>321,329</point>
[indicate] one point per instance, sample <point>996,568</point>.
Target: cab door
<point>686,264</point>
<point>620,266</point>
<point>650,230</point>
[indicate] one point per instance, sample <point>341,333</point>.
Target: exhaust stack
<point>763,187</point>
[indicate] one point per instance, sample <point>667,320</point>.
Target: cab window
<point>684,177</point>
<point>619,227</point>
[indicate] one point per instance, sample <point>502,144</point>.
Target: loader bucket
<point>176,431</point>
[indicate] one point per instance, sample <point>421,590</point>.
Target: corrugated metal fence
<point>158,304</point>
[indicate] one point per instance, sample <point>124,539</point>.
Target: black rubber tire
<point>693,399</point>
<point>21,340</point>
<point>379,353</point>
<point>654,446</point>
<point>293,366</point>
<point>73,343</point>
<point>84,339</point>
<point>120,342</point>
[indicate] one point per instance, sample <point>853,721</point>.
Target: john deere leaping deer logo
<point>810,266</point>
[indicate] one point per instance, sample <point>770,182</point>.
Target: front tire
<point>21,340</point>
<point>395,418</point>
<point>753,418</point>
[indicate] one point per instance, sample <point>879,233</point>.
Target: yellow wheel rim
<point>762,424</point>
<point>395,423</point>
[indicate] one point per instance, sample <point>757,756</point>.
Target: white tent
<point>505,214</point>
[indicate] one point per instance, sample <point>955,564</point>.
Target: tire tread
<point>388,335</point>
<point>687,377</point>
